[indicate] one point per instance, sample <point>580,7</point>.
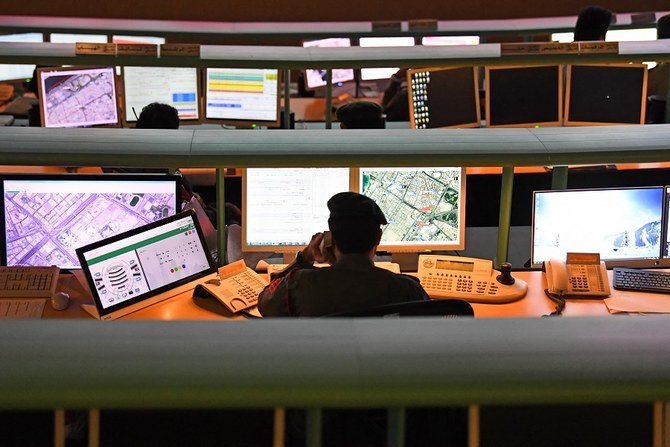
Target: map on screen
<point>45,221</point>
<point>423,206</point>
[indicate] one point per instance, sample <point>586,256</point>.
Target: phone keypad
<point>458,283</point>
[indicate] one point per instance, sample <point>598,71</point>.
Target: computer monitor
<point>424,207</point>
<point>317,78</point>
<point>605,94</point>
<point>77,97</point>
<point>666,215</point>
<point>18,71</point>
<point>622,224</point>
<point>151,40</point>
<point>443,97</point>
<point>74,38</point>
<point>284,207</point>
<point>242,96</point>
<point>524,96</point>
<point>47,216</point>
<point>368,74</point>
<point>176,86</point>
<point>614,35</point>
<point>430,41</point>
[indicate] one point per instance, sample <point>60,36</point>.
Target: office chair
<point>444,308</point>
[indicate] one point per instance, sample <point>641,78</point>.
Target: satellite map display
<point>84,97</point>
<point>45,228</point>
<point>421,205</point>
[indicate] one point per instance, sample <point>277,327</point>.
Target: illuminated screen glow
<point>449,40</point>
<point>248,94</point>
<point>74,38</point>
<point>139,39</point>
<point>176,86</point>
<point>617,223</point>
<point>284,207</point>
<point>368,74</point>
<point>18,71</point>
<point>317,78</point>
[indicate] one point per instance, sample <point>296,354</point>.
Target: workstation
<point>611,379</point>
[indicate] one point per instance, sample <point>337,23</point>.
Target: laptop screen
<point>134,266</point>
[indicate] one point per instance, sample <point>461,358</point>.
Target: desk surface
<point>182,307</point>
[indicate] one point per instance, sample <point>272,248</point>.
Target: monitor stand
<point>409,262</point>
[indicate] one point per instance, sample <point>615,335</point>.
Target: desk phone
<point>470,279</point>
<point>237,288</point>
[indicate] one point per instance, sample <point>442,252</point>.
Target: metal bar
<point>559,177</point>
<point>329,99</point>
<point>505,215</point>
<point>94,428</point>
<point>279,432</point>
<point>313,426</point>
<point>59,428</point>
<point>395,427</point>
<point>221,215</point>
<point>287,99</point>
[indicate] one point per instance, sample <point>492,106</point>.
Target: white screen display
<point>18,71</point>
<point>286,206</point>
<point>47,220</point>
<point>131,267</point>
<point>242,94</point>
<point>368,74</point>
<point>176,86</point>
<point>78,97</point>
<point>74,38</point>
<point>139,39</point>
<point>617,223</point>
<point>317,78</point>
<point>423,206</point>
<point>431,41</point>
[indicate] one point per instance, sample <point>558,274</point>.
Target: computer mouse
<point>60,301</point>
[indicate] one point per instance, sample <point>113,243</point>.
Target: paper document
<point>21,309</point>
<point>637,302</point>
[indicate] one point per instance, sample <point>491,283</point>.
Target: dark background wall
<point>314,10</point>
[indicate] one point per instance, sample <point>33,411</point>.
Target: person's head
<point>233,214</point>
<point>361,115</point>
<point>592,23</point>
<point>663,27</point>
<point>158,116</point>
<point>355,222</point>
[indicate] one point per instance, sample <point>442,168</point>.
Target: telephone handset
<point>582,275</point>
<point>237,288</point>
<point>470,279</point>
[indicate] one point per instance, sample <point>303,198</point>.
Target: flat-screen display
<point>443,97</point>
<point>368,74</point>
<point>284,207</point>
<point>18,71</point>
<point>139,39</point>
<point>424,207</point>
<point>666,247</point>
<point>620,224</point>
<point>524,96</point>
<point>242,95</point>
<point>77,97</point>
<point>606,94</point>
<point>317,78</point>
<point>449,40</point>
<point>176,86</point>
<point>47,216</point>
<point>74,38</point>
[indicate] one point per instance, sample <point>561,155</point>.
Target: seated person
<point>592,24</point>
<point>396,99</point>
<point>158,116</point>
<point>361,115</point>
<point>353,282</point>
<point>657,84</point>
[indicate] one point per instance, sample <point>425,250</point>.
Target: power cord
<point>560,303</point>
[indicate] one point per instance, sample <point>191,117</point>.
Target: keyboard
<point>28,282</point>
<point>642,280</point>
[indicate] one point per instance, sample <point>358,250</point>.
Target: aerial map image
<point>420,205</point>
<point>46,228</point>
<point>79,98</point>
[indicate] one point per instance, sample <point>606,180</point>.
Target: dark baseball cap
<point>353,205</point>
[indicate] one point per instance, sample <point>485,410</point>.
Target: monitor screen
<point>449,40</point>
<point>77,97</point>
<point>524,96</point>
<point>242,94</point>
<point>368,74</point>
<point>614,35</point>
<point>317,78</point>
<point>666,248</point>
<point>47,216</point>
<point>74,38</point>
<point>443,97</point>
<point>284,207</point>
<point>144,262</point>
<point>18,71</point>
<point>620,224</point>
<point>139,39</point>
<point>424,207</point>
<point>176,86</point>
<point>606,94</point>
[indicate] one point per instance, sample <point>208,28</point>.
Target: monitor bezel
<point>242,123</point>
<point>321,87</point>
<point>643,96</point>
<point>275,248</point>
<point>76,177</point>
<point>628,262</point>
<point>487,88</point>
<point>410,92</point>
<point>152,293</point>
<point>420,247</point>
<point>133,123</point>
<point>42,97</point>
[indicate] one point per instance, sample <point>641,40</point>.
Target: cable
<point>560,303</point>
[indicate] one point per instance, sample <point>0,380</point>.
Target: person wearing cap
<point>352,283</point>
<point>361,115</point>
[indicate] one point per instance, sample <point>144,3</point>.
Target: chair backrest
<point>444,308</point>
